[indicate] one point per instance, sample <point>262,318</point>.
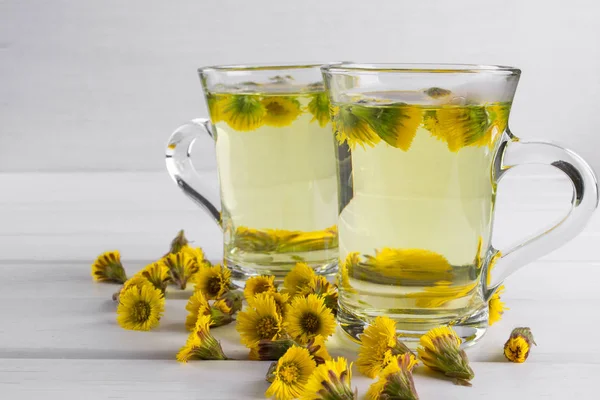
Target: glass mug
<point>421,149</point>
<point>276,166</point>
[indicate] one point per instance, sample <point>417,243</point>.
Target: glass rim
<point>440,68</point>
<point>264,66</point>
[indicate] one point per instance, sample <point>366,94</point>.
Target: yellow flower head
<point>496,306</point>
<point>308,317</point>
<point>346,269</point>
<point>441,352</point>
<point>319,108</point>
<point>214,281</point>
<point>157,274</point>
<point>135,281</point>
<point>330,381</point>
<point>178,242</point>
<point>215,103</point>
<point>281,300</point>
<point>261,322</point>
<point>201,345</point>
<point>196,306</point>
<point>259,284</point>
<point>197,254</point>
<point>379,343</point>
<point>243,112</point>
<point>233,299</point>
<point>108,268</point>
<point>281,110</point>
<point>318,351</point>
<point>320,286</point>
<point>350,128</point>
<point>220,313</point>
<point>298,278</point>
<point>181,267</point>
<point>518,345</point>
<point>291,374</point>
<point>395,380</point>
<point>140,309</point>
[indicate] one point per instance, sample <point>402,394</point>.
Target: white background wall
<point>99,85</point>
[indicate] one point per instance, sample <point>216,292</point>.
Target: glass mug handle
<point>513,152</point>
<point>181,169</point>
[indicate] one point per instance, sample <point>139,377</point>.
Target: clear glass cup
<point>421,149</point>
<point>269,125</point>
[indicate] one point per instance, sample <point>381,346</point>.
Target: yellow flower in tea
<point>498,116</point>
<point>518,345</point>
<point>215,104</point>
<point>157,274</point>
<point>281,300</point>
<point>261,322</point>
<point>330,381</point>
<point>350,128</point>
<point>379,343</point>
<point>458,126</point>
<point>441,293</point>
<point>298,241</point>
<point>440,351</point>
<point>213,281</point>
<point>410,266</point>
<point>281,110</point>
<point>298,278</point>
<point>243,112</point>
<point>496,306</point>
<point>140,309</point>
<point>254,240</point>
<point>201,344</point>
<point>178,242</point>
<point>308,317</point>
<point>346,268</point>
<point>291,374</point>
<point>108,268</point>
<point>259,284</point>
<point>197,305</point>
<point>181,267</point>
<point>395,381</point>
<point>319,108</point>
<point>317,349</point>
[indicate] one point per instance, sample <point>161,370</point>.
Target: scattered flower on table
<point>291,374</point>
<point>320,286</point>
<point>201,344</point>
<point>518,345</point>
<point>197,305</point>
<point>281,300</point>
<point>441,352</point>
<point>182,267</point>
<point>395,380</point>
<point>379,343</point>
<point>233,299</point>
<point>140,307</point>
<point>330,381</point>
<point>259,284</point>
<point>317,349</point>
<point>108,268</point>
<point>213,281</point>
<point>259,322</point>
<point>308,317</point>
<point>298,278</point>
<point>157,273</point>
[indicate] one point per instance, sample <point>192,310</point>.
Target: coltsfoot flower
<point>320,286</point>
<point>318,351</point>
<point>291,374</point>
<point>157,274</point>
<point>259,284</point>
<point>298,278</point>
<point>198,254</point>
<point>136,280</point>
<point>273,349</point>
<point>319,108</point>
<point>108,268</point>
<point>196,306</point>
<point>308,317</point>
<point>281,110</point>
<point>281,300</point>
<point>243,112</point>
<point>395,381</point>
<point>178,242</point>
<point>201,344</point>
<point>220,314</point>
<point>441,352</point>
<point>182,267</point>
<point>518,345</point>
<point>330,381</point>
<point>233,299</point>
<point>214,281</point>
<point>261,322</point>
<point>379,343</point>
<point>140,308</point>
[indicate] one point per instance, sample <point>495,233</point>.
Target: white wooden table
<point>59,338</point>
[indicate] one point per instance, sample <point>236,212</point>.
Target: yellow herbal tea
<point>277,175</point>
<point>416,201</point>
